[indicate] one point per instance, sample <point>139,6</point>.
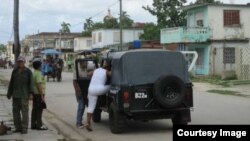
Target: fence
<point>243,63</point>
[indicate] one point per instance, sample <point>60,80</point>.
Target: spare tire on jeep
<point>169,91</point>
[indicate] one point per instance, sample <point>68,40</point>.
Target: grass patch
<point>207,79</point>
<point>226,92</point>
<point>216,80</point>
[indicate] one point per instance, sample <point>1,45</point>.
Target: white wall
<point>9,52</point>
<point>80,43</point>
<point>216,22</point>
<point>129,35</point>
<point>216,57</point>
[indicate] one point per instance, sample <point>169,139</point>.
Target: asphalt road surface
<point>208,109</point>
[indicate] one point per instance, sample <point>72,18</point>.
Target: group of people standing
<point>24,85</point>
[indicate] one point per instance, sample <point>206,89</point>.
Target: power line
<point>105,9</point>
<point>4,32</point>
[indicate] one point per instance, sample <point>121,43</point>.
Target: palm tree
<point>126,21</point>
<point>125,14</point>
<point>65,27</point>
<point>88,23</point>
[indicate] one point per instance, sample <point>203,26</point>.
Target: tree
<point>126,21</point>
<point>2,48</point>
<point>206,1</point>
<point>90,27</point>
<point>87,27</point>
<point>88,24</point>
<point>168,12</point>
<point>151,32</point>
<point>65,27</point>
<point>97,25</point>
<point>110,23</point>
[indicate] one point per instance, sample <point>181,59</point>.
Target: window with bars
<point>89,43</point>
<point>231,17</point>
<point>100,37</point>
<point>199,23</point>
<point>75,43</point>
<point>94,38</point>
<point>116,36</point>
<point>229,55</point>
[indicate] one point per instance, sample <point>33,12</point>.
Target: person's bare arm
<point>40,90</point>
<point>90,73</point>
<point>109,73</point>
<point>77,88</point>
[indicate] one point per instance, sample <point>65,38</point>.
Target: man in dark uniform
<point>20,89</point>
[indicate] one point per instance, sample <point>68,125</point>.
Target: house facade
<point>216,32</point>
<point>105,37</point>
<point>9,52</point>
<point>55,40</point>
<point>82,43</point>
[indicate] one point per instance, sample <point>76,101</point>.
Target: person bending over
<point>97,87</point>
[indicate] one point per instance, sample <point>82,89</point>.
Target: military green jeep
<point>145,85</point>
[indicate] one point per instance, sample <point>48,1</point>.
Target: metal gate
<point>243,63</point>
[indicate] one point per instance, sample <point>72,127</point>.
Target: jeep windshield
<point>145,67</point>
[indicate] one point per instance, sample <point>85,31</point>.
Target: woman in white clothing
<point>96,87</point>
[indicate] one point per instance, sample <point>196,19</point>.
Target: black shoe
<point>24,131</point>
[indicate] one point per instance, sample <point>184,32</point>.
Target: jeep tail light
<point>125,97</point>
<point>189,95</point>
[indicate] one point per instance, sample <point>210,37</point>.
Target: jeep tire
<point>169,91</point>
<point>181,118</point>
<point>116,120</point>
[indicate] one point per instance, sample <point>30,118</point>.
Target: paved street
<point>209,109</point>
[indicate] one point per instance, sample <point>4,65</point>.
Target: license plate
<point>141,95</point>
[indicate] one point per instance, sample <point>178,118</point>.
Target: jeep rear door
<point>84,70</point>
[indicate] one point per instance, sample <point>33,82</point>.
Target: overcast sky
<point>47,15</point>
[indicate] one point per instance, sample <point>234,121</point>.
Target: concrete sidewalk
<point>33,135</point>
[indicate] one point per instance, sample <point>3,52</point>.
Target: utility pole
<point>16,29</point>
<point>120,26</point>
<point>60,39</point>
<point>33,45</point>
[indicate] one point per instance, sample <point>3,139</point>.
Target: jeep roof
<point>131,67</point>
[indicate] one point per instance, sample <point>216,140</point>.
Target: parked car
<point>145,85</point>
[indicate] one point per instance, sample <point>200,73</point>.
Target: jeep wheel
<point>178,122</point>
<point>169,91</point>
<point>116,120</point>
